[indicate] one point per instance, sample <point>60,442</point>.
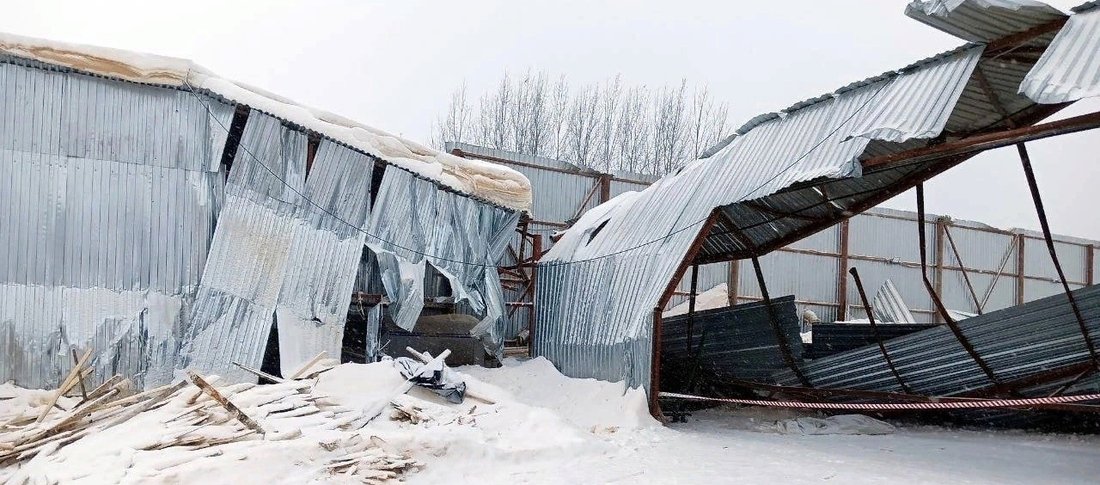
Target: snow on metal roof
<point>1070,68</point>
<point>492,182</point>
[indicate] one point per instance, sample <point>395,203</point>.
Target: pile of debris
<point>47,438</point>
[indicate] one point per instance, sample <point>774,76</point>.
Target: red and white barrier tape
<point>914,406</point>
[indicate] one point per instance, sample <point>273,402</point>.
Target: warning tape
<point>914,406</point>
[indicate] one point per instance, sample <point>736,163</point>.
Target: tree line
<point>604,126</point>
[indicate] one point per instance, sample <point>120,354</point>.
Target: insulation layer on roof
<point>495,183</point>
<point>599,284</point>
<point>982,20</point>
<point>1069,70</point>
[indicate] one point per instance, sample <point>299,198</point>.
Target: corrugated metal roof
<point>834,338</point>
<point>1070,68</point>
<point>617,254</point>
<point>982,20</point>
<point>1016,342</point>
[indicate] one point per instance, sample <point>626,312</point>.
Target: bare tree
<point>632,131</point>
<point>583,125</point>
<point>608,111</point>
<point>669,128</point>
<point>453,126</point>
<point>604,125</point>
<point>559,103</point>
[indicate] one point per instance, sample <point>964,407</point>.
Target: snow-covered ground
<point>542,427</point>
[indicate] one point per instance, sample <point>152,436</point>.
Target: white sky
<point>394,64</point>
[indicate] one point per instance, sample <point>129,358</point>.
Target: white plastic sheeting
<point>597,288</point>
<point>1069,69</point>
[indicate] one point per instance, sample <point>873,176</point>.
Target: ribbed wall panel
<point>111,191</point>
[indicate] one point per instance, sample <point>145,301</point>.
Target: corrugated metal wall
<point>110,194</point>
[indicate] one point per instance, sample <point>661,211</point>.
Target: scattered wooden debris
<point>197,420</point>
<point>370,462</point>
<point>68,383</point>
<point>312,362</point>
<point>228,405</point>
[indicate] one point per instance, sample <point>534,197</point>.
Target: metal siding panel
<point>1069,69</point>
<point>82,266</point>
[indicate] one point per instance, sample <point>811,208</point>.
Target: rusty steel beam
<point>874,332</point>
<point>1020,271</point>
<point>677,276</point>
<point>692,293</point>
<point>938,275</point>
<point>605,188</point>
<point>1012,42</point>
<point>1090,262</point>
<point>939,303</point>
<point>1033,187</point>
<point>842,281</point>
<point>989,141</point>
<point>584,202</point>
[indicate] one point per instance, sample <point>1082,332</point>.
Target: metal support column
<point>936,297</point>
<point>1025,160</point>
<point>842,280</point>
<point>874,332</point>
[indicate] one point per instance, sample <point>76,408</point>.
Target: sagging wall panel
<point>414,224</point>
<point>285,250</point>
<point>111,193</point>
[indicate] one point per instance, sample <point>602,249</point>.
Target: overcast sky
<point>394,64</point>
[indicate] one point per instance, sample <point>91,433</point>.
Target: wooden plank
<point>226,403</point>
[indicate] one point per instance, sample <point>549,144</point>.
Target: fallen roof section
<point>497,184</point>
<point>983,20</point>
<point>1018,343</point>
<point>1069,69</point>
<point>780,178</point>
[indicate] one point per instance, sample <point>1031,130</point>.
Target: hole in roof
<point>597,231</point>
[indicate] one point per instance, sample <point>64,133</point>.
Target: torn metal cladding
<point>597,287</point>
<point>889,307</point>
<point>982,20</point>
<point>124,236</point>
